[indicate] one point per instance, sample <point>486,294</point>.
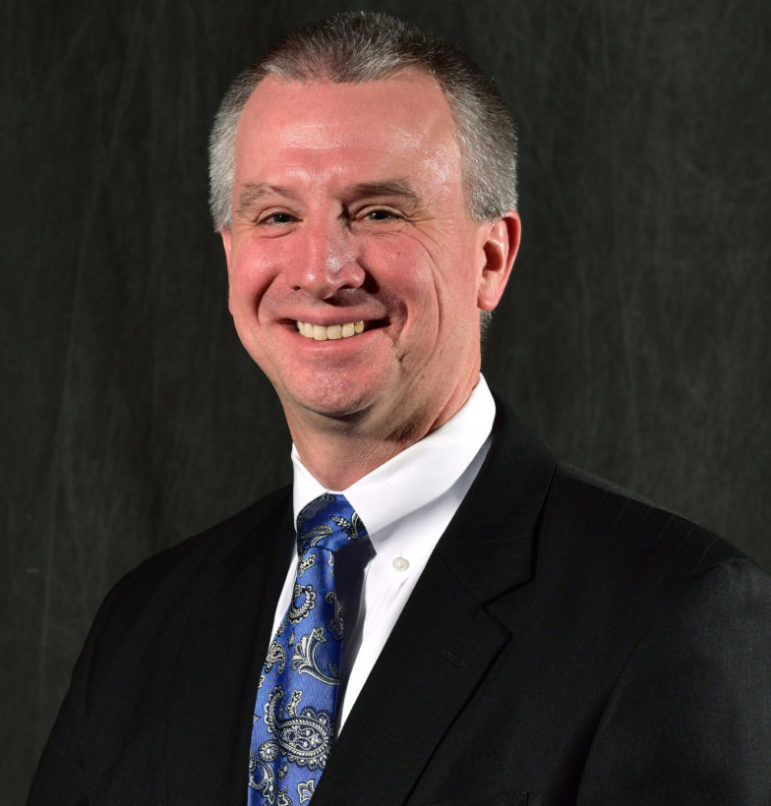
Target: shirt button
<point>400,564</point>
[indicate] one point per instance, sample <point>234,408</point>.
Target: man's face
<point>349,207</point>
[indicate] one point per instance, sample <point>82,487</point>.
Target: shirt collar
<point>417,475</point>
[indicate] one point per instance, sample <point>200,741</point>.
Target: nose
<point>326,260</point>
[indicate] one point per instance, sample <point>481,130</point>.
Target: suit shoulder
<point>621,524</point>
<point>217,541</point>
<point>609,557</point>
<point>175,570</point>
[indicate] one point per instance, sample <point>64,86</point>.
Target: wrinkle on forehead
<point>412,110</point>
<point>314,134</point>
<point>363,169</point>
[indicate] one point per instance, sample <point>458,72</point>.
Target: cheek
<point>400,269</point>
<point>252,271</point>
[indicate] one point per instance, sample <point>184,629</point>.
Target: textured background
<point>634,337</point>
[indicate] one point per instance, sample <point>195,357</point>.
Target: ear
<point>227,241</point>
<point>500,247</point>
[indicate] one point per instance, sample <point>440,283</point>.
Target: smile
<point>331,332</point>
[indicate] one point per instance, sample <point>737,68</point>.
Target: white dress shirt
<point>405,505</point>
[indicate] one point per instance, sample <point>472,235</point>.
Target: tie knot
<point>329,522</point>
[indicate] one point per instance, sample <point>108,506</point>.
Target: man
<point>498,627</point>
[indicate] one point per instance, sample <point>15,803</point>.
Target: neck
<point>337,464</point>
<point>340,451</point>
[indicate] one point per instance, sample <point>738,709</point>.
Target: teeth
<point>323,333</point>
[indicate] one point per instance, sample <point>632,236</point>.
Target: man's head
<point>353,47</point>
<point>351,207</point>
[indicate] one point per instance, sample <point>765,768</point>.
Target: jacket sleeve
<point>689,719</point>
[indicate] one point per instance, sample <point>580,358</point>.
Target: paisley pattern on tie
<point>296,709</point>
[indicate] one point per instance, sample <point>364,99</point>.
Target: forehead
<point>401,120</point>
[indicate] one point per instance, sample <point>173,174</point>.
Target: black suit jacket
<point>566,643</point>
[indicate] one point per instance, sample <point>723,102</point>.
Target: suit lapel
<point>225,639</point>
<point>445,640</point>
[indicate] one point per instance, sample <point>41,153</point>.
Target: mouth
<point>344,330</point>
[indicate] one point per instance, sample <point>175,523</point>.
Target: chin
<point>343,405</point>
<point>334,392</point>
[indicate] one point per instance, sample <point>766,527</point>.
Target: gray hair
<point>356,46</point>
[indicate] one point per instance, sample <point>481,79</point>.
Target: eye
<point>277,217</point>
<point>380,214</point>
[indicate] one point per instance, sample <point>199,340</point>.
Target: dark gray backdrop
<point>634,336</point>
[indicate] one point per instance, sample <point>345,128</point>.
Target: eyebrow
<point>253,191</point>
<point>389,187</point>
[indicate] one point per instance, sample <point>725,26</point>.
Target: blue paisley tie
<point>296,709</point>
